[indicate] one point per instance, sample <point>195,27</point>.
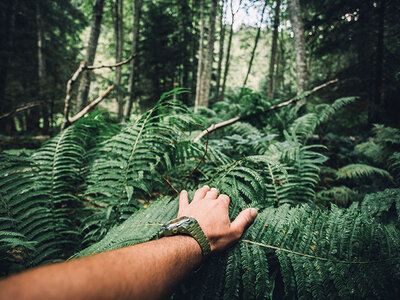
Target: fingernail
<point>253,213</point>
<point>206,186</point>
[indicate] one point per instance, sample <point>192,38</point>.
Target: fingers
<point>212,194</point>
<point>201,193</point>
<point>183,200</point>
<point>224,198</point>
<point>243,220</point>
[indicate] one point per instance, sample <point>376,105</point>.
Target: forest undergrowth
<point>328,203</point>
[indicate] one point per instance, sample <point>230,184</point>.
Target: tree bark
<point>379,100</point>
<point>42,69</point>
<point>253,52</point>
<point>137,10</point>
<point>299,46</point>
<point>280,66</point>
<point>228,50</point>
<point>200,58</point>
<point>95,27</point>
<point>270,87</point>
<point>119,40</point>
<point>206,74</point>
<point>7,29</point>
<point>222,22</point>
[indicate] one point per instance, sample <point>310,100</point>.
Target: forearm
<point>149,270</point>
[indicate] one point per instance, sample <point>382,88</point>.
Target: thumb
<point>183,200</point>
<point>243,220</point>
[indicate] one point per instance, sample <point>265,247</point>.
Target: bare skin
<point>145,271</point>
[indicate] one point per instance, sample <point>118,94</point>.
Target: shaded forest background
<point>212,48</point>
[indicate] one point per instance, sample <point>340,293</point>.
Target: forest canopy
<point>109,108</point>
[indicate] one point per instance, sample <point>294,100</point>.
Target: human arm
<point>150,270</point>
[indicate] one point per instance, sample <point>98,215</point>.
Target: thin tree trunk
<point>206,76</point>
<point>84,86</point>
<point>7,28</point>
<point>119,40</point>
<point>379,100</point>
<point>42,69</point>
<point>299,46</point>
<point>253,52</point>
<point>279,66</point>
<point>228,50</point>
<point>222,22</point>
<point>270,87</point>
<point>200,58</point>
<point>137,10</point>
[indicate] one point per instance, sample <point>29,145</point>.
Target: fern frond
<point>360,171</point>
<point>378,204</point>
<point>340,195</point>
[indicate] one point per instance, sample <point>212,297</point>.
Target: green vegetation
<point>96,187</point>
<point>311,138</point>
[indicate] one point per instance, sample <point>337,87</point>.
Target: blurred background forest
<point>212,48</point>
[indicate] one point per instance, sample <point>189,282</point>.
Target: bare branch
<point>113,65</point>
<point>70,82</point>
<point>235,119</point>
<point>21,108</point>
<point>89,107</point>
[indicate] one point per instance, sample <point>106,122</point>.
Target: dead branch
<point>68,92</point>
<point>82,67</point>
<point>90,106</point>
<point>22,108</point>
<point>282,104</point>
<point>111,66</point>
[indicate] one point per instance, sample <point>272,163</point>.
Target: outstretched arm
<point>150,270</point>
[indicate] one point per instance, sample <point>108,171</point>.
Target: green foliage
<point>317,254</point>
<point>379,204</point>
<point>96,187</point>
<point>360,171</point>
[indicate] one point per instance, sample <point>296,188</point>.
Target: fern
<point>360,171</point>
<point>340,195</point>
<point>318,254</point>
<point>378,204</point>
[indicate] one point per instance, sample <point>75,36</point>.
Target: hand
<point>211,212</point>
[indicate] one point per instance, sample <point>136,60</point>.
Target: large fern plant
<point>96,187</point>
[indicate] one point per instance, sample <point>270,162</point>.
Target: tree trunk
<point>7,27</point>
<point>228,50</point>
<point>137,10</point>
<point>206,74</point>
<point>119,40</point>
<point>42,70</point>
<point>270,87</point>
<point>379,100</point>
<point>280,58</point>
<point>299,46</point>
<point>221,48</point>
<point>253,52</point>
<point>200,58</point>
<point>95,27</point>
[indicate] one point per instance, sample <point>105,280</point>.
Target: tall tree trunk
<point>253,52</point>
<point>270,87</point>
<point>7,27</point>
<point>119,41</point>
<point>379,100</point>
<point>200,58</point>
<point>42,69</point>
<point>228,50</point>
<point>299,46</point>
<point>206,76</point>
<point>95,26</point>
<point>280,57</point>
<point>222,22</point>
<point>137,10</point>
